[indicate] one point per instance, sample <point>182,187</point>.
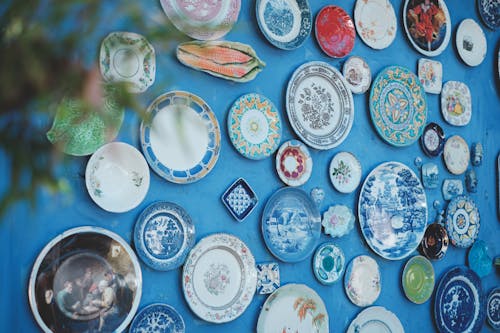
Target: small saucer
<point>357,74</point>
<point>328,263</point>
<point>471,42</point>
<point>345,172</point>
<point>432,140</point>
<point>456,155</point>
<point>418,279</point>
<point>294,163</point>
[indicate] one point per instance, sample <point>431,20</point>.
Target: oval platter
<point>158,318</point>
<point>398,106</point>
<point>285,23</point>
<point>471,42</point>
<point>345,172</point>
<point>376,22</point>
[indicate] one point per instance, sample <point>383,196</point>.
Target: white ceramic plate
<point>376,22</point>
<point>117,177</point>
<point>430,74</point>
<point>294,163</point>
<point>362,281</point>
<point>345,172</point>
<point>456,103</point>
<point>219,278</point>
<point>456,155</point>
<point>471,42</point>
<point>376,319</point>
<point>357,74</point>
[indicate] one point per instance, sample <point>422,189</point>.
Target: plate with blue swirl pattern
<point>158,318</point>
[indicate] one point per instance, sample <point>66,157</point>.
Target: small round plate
<point>345,172</point>
<point>418,279</point>
<point>335,31</point>
<point>294,163</point>
<point>435,242</point>
<point>376,22</point>
<point>362,281</point>
<point>254,126</point>
<point>490,13</point>
<point>375,319</point>
<point>432,140</point>
<point>456,155</point>
<point>158,318</point>
<point>462,221</point>
<point>493,308</point>
<point>456,103</point>
<point>328,263</point>
<point>471,42</point>
<point>357,74</point>
<point>163,235</point>
<point>117,177</point>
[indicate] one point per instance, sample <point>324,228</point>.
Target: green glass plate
<point>418,279</point>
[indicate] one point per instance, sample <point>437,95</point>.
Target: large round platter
<point>128,57</point>
<point>158,318</point>
<point>291,224</point>
<point>294,163</point>
<point>456,104</point>
<point>181,137</point>
<point>203,20</point>
<point>319,105</point>
<point>219,278</point>
<point>418,279</point>
<point>77,275</point>
<point>459,301</point>
<point>163,235</point>
<point>428,26</point>
<point>335,31</point>
<point>376,22</point>
<point>293,308</point>
<point>254,126</point>
<point>362,281</point>
<point>456,155</point>
<point>375,319</point>
<point>462,221</point>
<point>398,106</point>
<point>493,308</point>
<point>117,177</point>
<point>285,23</point>
<point>471,42</point>
<point>357,74</point>
<point>345,172</point>
<point>328,263</point>
<point>490,13</point>
<point>392,210</point>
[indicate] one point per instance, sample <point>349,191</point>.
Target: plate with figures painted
<point>376,319</point>
<point>462,221</point>
<point>158,318</point>
<point>456,103</point>
<point>376,22</point>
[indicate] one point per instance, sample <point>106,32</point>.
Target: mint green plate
<point>418,279</point>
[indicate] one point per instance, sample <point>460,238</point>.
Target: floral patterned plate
<point>335,31</point>
<point>163,235</point>
<point>456,104</point>
<point>158,318</point>
<point>398,106</point>
<point>462,221</point>
<point>319,105</point>
<point>345,172</point>
<point>375,319</point>
<point>117,177</point>
<point>471,42</point>
<point>293,308</point>
<point>430,73</point>
<point>456,155</point>
<point>219,278</point>
<point>357,74</point>
<point>202,19</point>
<point>376,22</point>
<point>338,220</point>
<point>490,13</point>
<point>294,163</point>
<point>362,281</point>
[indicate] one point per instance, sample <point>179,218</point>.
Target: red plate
<point>335,31</point>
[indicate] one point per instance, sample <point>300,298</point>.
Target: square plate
<point>240,199</point>
<point>430,74</point>
<point>268,277</point>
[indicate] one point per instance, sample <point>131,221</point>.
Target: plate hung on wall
<point>456,103</point>
<point>357,74</point>
<point>490,13</point>
<point>335,31</point>
<point>430,73</point>
<point>294,163</point>
<point>376,22</point>
<point>471,42</point>
<point>427,25</point>
<point>456,155</point>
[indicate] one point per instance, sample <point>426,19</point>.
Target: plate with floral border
<point>456,103</point>
<point>392,210</point>
<point>219,278</point>
<point>254,126</point>
<point>362,281</point>
<point>294,163</point>
<point>376,319</point>
<point>293,308</point>
<point>319,105</point>
<point>459,304</point>
<point>376,23</point>
<point>489,10</point>
<point>335,31</point>
<point>345,172</point>
<point>462,221</point>
<point>77,275</point>
<point>357,74</point>
<point>158,318</point>
<point>180,137</point>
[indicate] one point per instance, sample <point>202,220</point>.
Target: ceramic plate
<point>375,319</point>
<point>456,104</point>
<point>86,277</point>
<point>462,221</point>
<point>345,172</point>
<point>240,199</point>
<point>291,224</point>
<point>204,20</point>
<point>328,263</point>
<point>376,22</point>
<point>357,74</point>
<point>254,126</point>
<point>459,302</point>
<point>392,210</point>
<point>428,26</point>
<point>471,42</point>
<point>294,163</point>
<point>398,106</point>
<point>158,318</point>
<point>432,140</point>
<point>285,23</point>
<point>181,140</point>
<point>338,220</point>
<point>129,58</point>
<point>163,235</point>
<point>435,242</point>
<point>418,279</point>
<point>362,281</point>
<point>430,74</point>
<point>293,308</point>
<point>335,31</point>
<point>493,308</point>
<point>490,13</point>
<point>268,277</point>
<point>456,155</point>
<point>319,105</point>
<point>219,278</point>
<point>117,177</point>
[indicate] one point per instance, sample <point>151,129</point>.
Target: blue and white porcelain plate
<point>291,224</point>
<point>268,277</point>
<point>462,221</point>
<point>328,263</point>
<point>392,210</point>
<point>158,318</point>
<point>163,235</point>
<point>493,308</point>
<point>285,23</point>
<point>459,301</point>
<point>240,199</point>
<point>490,13</point>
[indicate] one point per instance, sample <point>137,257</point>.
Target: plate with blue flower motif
<point>163,235</point>
<point>489,10</point>
<point>392,210</point>
<point>158,318</point>
<point>285,23</point>
<point>398,106</point>
<point>462,221</point>
<point>459,302</point>
<point>493,308</point>
<point>254,126</point>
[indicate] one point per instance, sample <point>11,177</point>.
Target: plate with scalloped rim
<point>462,221</point>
